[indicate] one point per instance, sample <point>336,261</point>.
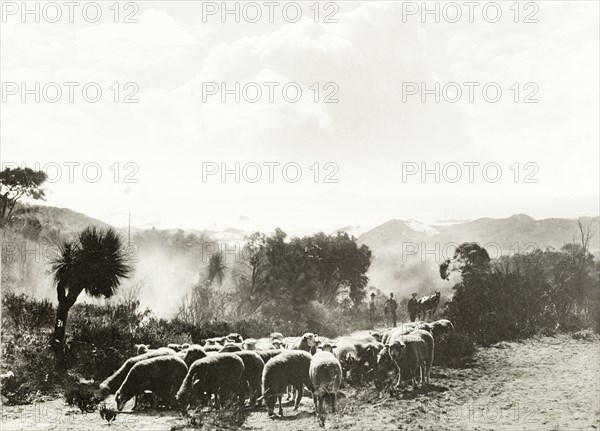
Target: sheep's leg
<point>300,393</point>
<point>334,402</point>
<point>280,406</point>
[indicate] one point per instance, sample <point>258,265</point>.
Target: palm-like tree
<point>96,262</point>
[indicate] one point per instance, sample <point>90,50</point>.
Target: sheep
<point>409,352</point>
<point>347,354</point>
<point>229,348</point>
<point>327,346</point>
<point>192,354</point>
<point>265,344</point>
<point>267,355</point>
<point>287,368</point>
<point>218,374</point>
<point>326,377</point>
<point>276,336</point>
<point>253,368</point>
<point>441,327</point>
<point>112,383</point>
<point>212,348</point>
<point>140,349</point>
<point>306,342</point>
<point>366,336</point>
<point>277,344</point>
<point>249,344</point>
<point>429,341</point>
<point>162,375</point>
<point>234,338</point>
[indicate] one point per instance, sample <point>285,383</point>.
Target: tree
<point>468,256</point>
<point>16,183</point>
<point>96,262</point>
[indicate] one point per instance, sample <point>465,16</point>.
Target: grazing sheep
<point>192,354</point>
<point>253,368</point>
<point>162,375</point>
<point>326,377</point>
<point>267,355</point>
<point>287,368</point>
<point>410,353</point>
<point>217,374</point>
<point>347,354</point>
<point>229,348</point>
<point>112,383</point>
<point>429,341</point>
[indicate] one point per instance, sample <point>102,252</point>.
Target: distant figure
<point>372,309</point>
<point>413,307</point>
<point>390,311</point>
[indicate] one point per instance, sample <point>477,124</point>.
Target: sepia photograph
<point>299,215</point>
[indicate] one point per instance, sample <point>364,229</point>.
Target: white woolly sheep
<point>162,375</point>
<point>326,377</point>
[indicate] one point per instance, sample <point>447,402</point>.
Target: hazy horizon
<point>157,158</point>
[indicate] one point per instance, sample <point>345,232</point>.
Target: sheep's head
<point>249,344</point>
<point>310,339</point>
<point>276,343</point>
<point>120,399</point>
<point>396,350</point>
<point>327,347</point>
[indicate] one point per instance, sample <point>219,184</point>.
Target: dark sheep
<point>162,375</point>
<point>267,355</point>
<point>217,374</point>
<point>112,383</point>
<point>326,377</point>
<point>253,369</point>
<point>192,354</point>
<point>291,367</point>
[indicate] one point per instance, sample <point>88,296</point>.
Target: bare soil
<point>551,383</point>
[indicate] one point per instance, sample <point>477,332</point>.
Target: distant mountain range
<point>518,232</point>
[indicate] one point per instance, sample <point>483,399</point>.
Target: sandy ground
<point>538,384</point>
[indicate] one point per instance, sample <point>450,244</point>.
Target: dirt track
<point>549,384</point>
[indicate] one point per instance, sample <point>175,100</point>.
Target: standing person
<point>372,309</point>
<point>413,307</point>
<point>390,310</point>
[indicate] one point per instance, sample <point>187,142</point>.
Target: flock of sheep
<point>266,369</point>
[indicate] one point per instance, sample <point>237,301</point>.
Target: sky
<point>354,144</point>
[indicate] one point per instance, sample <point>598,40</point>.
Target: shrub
<point>455,349</point>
